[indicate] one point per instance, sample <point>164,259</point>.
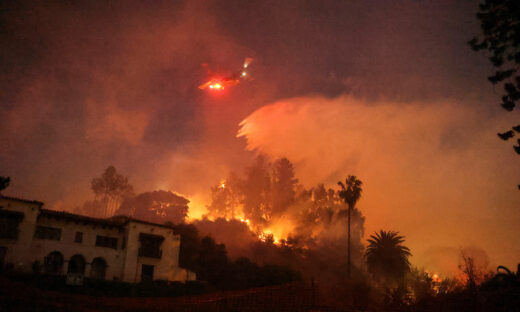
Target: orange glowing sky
<point>388,91</point>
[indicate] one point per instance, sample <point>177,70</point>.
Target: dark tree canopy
<point>350,191</point>
<point>321,206</point>
<point>256,190</point>
<point>111,189</point>
<point>209,259</point>
<point>157,206</point>
<point>111,183</point>
<point>266,191</point>
<point>190,245</point>
<point>386,256</point>
<point>4,182</point>
<point>500,39</point>
<point>283,186</point>
<point>226,198</point>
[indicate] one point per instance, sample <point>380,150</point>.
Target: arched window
<point>53,263</point>
<point>98,268</point>
<point>76,265</point>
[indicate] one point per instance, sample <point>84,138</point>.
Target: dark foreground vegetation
<point>44,293</point>
<point>499,293</point>
<point>211,263</point>
<point>104,288</point>
<point>18,296</point>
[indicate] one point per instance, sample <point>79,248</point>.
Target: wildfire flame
<point>276,231</point>
<point>222,184</point>
<point>436,278</point>
<point>268,236</point>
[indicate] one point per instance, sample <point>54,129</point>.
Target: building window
<point>98,268</point>
<point>3,251</point>
<point>105,241</point>
<point>150,245</point>
<point>79,237</point>
<point>9,221</point>
<point>147,272</point>
<point>53,263</point>
<point>9,228</point>
<point>77,265</point>
<point>46,232</point>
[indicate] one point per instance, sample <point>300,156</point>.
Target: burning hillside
<point>260,226</point>
<point>266,206</point>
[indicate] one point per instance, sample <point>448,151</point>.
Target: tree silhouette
<point>226,198</point>
<point>265,191</point>
<point>4,182</point>
<point>212,261</point>
<point>500,25</point>
<point>257,192</point>
<point>505,278</point>
<point>473,267</point>
<point>505,272</point>
<point>350,192</point>
<point>283,186</point>
<point>157,206</point>
<point>386,256</point>
<point>190,245</point>
<point>112,188</point>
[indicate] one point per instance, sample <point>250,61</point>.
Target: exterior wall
<point>166,267</point>
<point>122,263</point>
<point>87,248</point>
<point>19,251</point>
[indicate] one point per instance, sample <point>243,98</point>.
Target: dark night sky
<point>386,90</point>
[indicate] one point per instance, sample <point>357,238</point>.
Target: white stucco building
<point>118,248</point>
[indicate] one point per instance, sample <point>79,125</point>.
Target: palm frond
<point>386,254</point>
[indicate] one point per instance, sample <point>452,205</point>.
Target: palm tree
<point>505,277</point>
<point>350,192</point>
<point>386,256</point>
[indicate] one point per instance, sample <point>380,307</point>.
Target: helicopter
<point>220,83</point>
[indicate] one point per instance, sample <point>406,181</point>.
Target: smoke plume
<point>406,154</point>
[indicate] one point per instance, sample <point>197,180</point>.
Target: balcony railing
<point>150,252</point>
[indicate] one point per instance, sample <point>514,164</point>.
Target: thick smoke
<point>406,154</point>
<point>89,84</point>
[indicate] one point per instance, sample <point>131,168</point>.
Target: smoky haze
<point>426,168</point>
<point>387,91</point>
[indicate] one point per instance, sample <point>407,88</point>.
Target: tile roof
<point>118,221</point>
<point>78,218</point>
<point>22,200</point>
